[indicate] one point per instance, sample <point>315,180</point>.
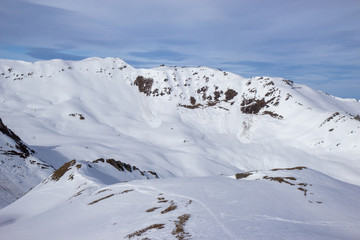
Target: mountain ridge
<point>71,101</point>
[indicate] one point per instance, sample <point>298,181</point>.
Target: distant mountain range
<point>173,152</point>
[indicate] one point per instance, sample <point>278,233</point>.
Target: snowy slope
<point>20,170</point>
<point>170,153</point>
<point>177,121</point>
<point>296,203</point>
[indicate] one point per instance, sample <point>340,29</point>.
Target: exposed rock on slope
<point>21,149</point>
<point>19,169</point>
<point>109,169</point>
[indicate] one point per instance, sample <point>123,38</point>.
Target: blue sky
<point>313,42</point>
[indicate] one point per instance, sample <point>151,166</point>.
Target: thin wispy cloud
<point>165,55</point>
<point>281,38</point>
<point>51,53</point>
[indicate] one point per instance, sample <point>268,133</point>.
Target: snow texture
<point>175,153</point>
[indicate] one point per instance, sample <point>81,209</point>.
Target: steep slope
<point>20,170</point>
<point>297,203</point>
<point>178,121</point>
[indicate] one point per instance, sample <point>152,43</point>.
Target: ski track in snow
<point>167,193</point>
<point>319,223</point>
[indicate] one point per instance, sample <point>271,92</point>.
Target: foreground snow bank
<point>294,203</point>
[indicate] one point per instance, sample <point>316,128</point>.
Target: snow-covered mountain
<point>177,121</point>
<point>192,128</point>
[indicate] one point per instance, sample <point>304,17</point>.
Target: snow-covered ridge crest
<point>109,171</point>
<point>177,121</point>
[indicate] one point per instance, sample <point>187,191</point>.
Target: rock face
<point>21,149</point>
<point>20,170</point>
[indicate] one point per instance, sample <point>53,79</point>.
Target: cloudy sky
<point>315,42</point>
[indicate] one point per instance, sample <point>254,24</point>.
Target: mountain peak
<point>178,116</point>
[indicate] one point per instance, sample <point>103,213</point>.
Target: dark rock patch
<point>153,173</point>
<point>203,90</point>
<point>25,151</point>
<point>98,160</point>
<point>270,92</point>
<point>152,209</point>
<point>179,231</point>
<point>269,84</point>
<point>288,82</point>
<point>103,198</point>
<point>294,168</point>
<point>212,103</point>
<point>303,190</point>
<point>272,114</point>
<point>172,207</point>
<point>252,106</point>
<point>217,95</point>
<point>81,117</point>
<point>162,200</point>
<point>242,175</point>
<point>144,230</point>
<point>330,118</point>
<point>191,106</point>
<point>144,84</point>
<point>281,179</point>
<point>230,94</point>
<point>121,166</point>
<point>288,96</point>
<point>62,170</point>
